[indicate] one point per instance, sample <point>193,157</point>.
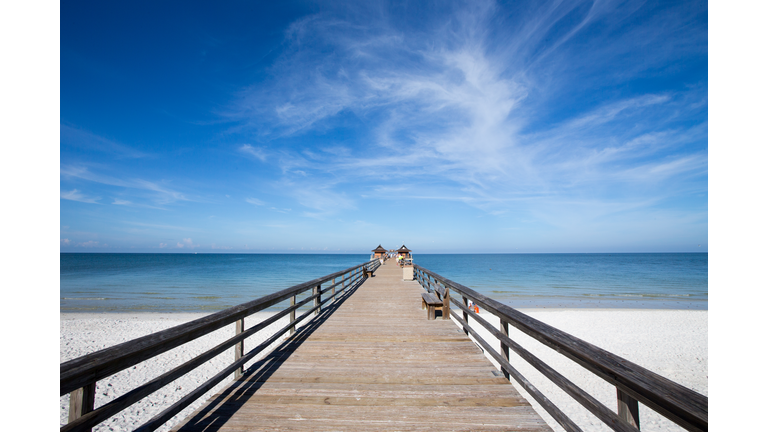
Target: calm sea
<point>211,282</point>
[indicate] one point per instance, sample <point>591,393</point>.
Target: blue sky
<point>447,126</point>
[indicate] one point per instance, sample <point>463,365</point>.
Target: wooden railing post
<point>464,314</point>
<point>504,327</point>
<point>343,283</point>
<point>240,346</point>
<point>81,402</point>
<point>628,408</point>
<point>333,290</point>
<point>316,290</point>
<point>293,316</point>
<point>446,309</point>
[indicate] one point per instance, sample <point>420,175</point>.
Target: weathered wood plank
<point>81,402</point>
<point>628,409</point>
<point>239,346</point>
<point>380,418</point>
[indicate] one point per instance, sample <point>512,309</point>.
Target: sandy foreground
<point>672,343</point>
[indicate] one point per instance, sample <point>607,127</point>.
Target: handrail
<point>683,406</point>
<point>78,376</point>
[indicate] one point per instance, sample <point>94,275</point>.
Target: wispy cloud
<point>320,198</point>
<point>126,203</point>
<point>161,194</point>
<point>186,243</point>
<point>77,137</point>
<point>90,244</point>
<point>258,153</point>
<point>160,226</point>
<point>255,201</point>
<point>76,195</point>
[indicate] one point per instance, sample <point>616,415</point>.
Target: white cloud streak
<point>256,152</point>
<point>255,201</point>
<point>75,195</point>
<point>77,137</point>
<point>161,194</point>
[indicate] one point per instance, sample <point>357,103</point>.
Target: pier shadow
<point>222,407</point>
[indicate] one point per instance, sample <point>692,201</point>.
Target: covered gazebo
<point>406,262</point>
<point>379,252</point>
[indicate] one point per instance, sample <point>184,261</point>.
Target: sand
<point>672,343</point>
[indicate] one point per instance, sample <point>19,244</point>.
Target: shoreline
<point>520,304</point>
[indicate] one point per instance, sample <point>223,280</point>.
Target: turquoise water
<point>643,280</point>
<point>211,282</point>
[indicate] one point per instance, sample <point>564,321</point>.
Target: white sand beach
<point>672,343</point>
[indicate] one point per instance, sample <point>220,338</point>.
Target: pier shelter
<point>404,252</point>
<point>379,252</point>
<point>406,262</point>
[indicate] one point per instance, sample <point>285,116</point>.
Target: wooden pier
<point>371,362</point>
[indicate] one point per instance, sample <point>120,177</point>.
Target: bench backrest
<point>440,290</point>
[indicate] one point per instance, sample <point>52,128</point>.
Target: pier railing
<point>78,377</point>
<point>633,382</point>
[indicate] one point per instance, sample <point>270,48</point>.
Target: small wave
<point>207,297</point>
<point>640,295</point>
<point>83,298</point>
<point>213,307</point>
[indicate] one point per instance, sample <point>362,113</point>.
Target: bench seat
<point>432,303</point>
<point>431,299</point>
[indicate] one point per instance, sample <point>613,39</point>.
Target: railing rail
<point>634,383</point>
<point>78,377</point>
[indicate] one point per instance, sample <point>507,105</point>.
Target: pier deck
<point>371,362</point>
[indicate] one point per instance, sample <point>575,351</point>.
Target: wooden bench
<point>367,273</point>
<point>438,299</point>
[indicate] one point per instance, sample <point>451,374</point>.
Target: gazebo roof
<point>403,249</point>
<point>379,249</point>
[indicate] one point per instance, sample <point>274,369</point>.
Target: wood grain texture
<point>628,409</point>
<point>371,362</point>
<point>240,346</point>
<point>81,402</point>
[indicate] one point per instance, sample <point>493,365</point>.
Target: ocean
<point>167,283</point>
